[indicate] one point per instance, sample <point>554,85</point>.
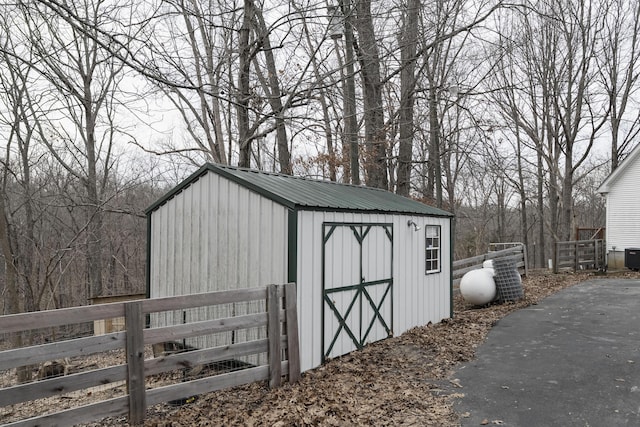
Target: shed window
<point>432,249</point>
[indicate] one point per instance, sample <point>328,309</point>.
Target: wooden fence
<point>281,346</point>
<point>516,251</point>
<point>580,255</point>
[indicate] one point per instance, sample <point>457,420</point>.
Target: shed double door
<point>357,279</point>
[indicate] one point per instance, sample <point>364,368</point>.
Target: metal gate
<point>357,285</point>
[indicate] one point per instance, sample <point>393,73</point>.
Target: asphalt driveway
<point>572,360</point>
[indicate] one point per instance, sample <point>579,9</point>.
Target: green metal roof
<point>303,193</point>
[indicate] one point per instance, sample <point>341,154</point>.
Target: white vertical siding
<point>418,298</point>
<point>309,292</point>
<point>216,235</point>
<point>623,210</point>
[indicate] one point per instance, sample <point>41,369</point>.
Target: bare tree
<point>618,63</point>
<point>408,47</point>
<point>349,97</point>
<point>16,121</point>
<point>375,162</point>
<point>550,76</point>
<point>207,70</point>
<point>556,109</point>
<point>244,91</point>
<point>324,83</point>
<point>271,88</point>
<point>78,132</point>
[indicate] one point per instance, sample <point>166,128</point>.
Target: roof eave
<point>605,187</point>
<point>178,189</point>
<point>288,203</point>
<point>247,184</point>
<point>442,214</point>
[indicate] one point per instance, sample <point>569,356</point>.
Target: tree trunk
<point>94,206</point>
<point>332,163</point>
<point>375,137</point>
<point>274,97</point>
<point>407,87</point>
<point>524,226</point>
<point>12,302</point>
<point>209,115</point>
<point>566,218</point>
<point>619,69</point>
<point>541,212</point>
<point>435,168</point>
<point>244,94</point>
<point>349,99</point>
<point>213,73</point>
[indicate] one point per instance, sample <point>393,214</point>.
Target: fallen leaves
<point>398,381</point>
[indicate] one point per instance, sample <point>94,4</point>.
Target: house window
<point>432,249</point>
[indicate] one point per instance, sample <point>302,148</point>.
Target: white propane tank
<point>478,287</point>
<point>488,265</point>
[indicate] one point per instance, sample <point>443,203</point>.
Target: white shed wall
<point>215,235</point>
<point>421,298</point>
<point>623,210</point>
<point>418,298</point>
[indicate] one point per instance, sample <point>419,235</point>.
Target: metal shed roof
<point>303,193</point>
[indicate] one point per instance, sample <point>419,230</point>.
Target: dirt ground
<point>404,380</point>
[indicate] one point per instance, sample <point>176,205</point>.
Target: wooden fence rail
<point>516,251</point>
<point>580,255</point>
<point>281,346</point>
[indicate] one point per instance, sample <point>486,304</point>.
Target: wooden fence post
<point>273,334</point>
<point>293,344</point>
<point>134,323</point>
<point>525,258</point>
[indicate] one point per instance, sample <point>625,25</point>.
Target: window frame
<point>432,252</point>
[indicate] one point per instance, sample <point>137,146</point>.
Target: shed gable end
<point>216,234</point>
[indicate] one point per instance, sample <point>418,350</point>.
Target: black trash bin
<point>632,258</point>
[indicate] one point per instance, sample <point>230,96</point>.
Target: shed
<point>367,263</point>
<point>623,208</point>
